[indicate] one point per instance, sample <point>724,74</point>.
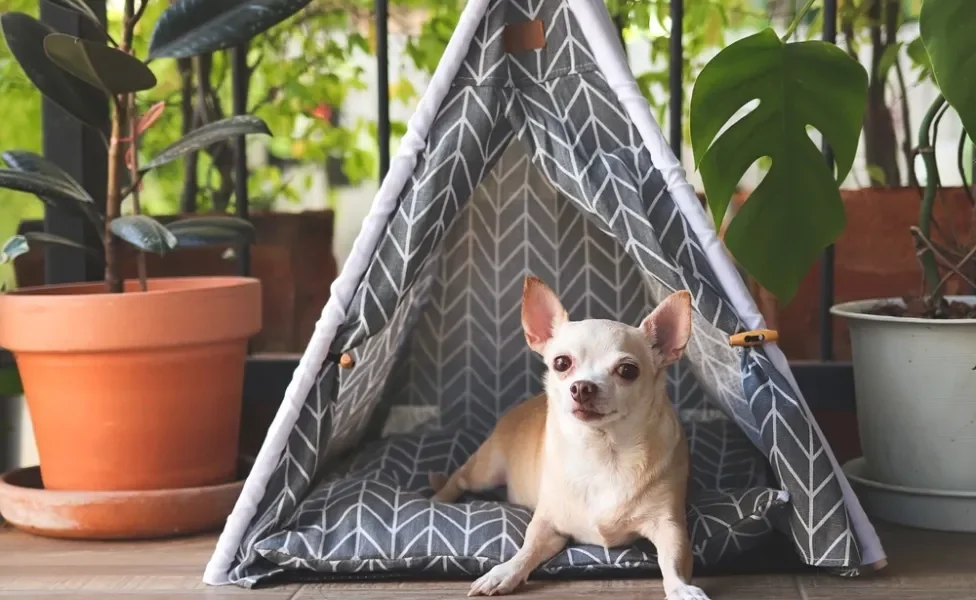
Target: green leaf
<point>205,136</point>
<point>888,58</point>
<point>29,162</point>
<point>194,27</point>
<point>12,248</point>
<point>81,7</point>
<point>208,235</point>
<point>145,233</point>
<point>22,244</point>
<point>946,28</point>
<point>52,191</point>
<point>108,69</point>
<point>920,58</point>
<point>25,38</point>
<point>210,231</point>
<point>796,210</point>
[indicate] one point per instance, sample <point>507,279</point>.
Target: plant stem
<point>926,147</point>
<point>134,171</point>
<point>113,198</point>
<point>796,20</point>
<point>116,164</point>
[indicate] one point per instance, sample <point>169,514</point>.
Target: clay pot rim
<point>174,312</point>
<point>173,285</point>
<point>857,311</point>
<point>9,488</point>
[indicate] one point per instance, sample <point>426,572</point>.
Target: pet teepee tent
<point>532,151</point>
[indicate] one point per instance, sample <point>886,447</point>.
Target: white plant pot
<point>915,384</point>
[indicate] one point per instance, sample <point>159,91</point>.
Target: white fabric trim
<point>602,39</point>
<point>342,291</point>
<point>614,67</point>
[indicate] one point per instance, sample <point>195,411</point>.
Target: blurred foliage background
<point>302,72</point>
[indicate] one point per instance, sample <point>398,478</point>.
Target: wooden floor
<point>922,566</point>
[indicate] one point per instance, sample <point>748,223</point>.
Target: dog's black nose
<point>583,391</point>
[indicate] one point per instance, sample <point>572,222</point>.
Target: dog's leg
<point>542,542</point>
<point>670,537</point>
<point>485,470</point>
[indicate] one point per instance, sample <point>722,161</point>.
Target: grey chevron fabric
<point>531,167</point>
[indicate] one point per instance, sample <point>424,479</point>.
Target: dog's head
<point>600,371</point>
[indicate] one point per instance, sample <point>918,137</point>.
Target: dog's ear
<point>542,313</point>
<point>668,327</point>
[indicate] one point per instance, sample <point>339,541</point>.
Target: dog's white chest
<point>597,507</point>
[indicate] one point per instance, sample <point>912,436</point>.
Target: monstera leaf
<point>108,69</point>
<point>946,31</point>
<point>796,211</point>
<point>194,27</point>
<point>25,38</point>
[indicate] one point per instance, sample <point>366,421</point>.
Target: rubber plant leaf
<point>208,235</point>
<point>194,27</point>
<point>51,190</point>
<point>796,211</point>
<point>207,135</point>
<point>12,248</point>
<point>242,227</point>
<point>109,69</point>
<point>81,7</point>
<point>946,31</point>
<point>30,162</point>
<point>24,243</point>
<point>25,38</point>
<point>145,233</point>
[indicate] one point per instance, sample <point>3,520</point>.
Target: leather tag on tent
<point>524,36</point>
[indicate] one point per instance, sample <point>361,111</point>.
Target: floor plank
<point>922,565</point>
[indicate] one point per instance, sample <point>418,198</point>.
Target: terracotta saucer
<point>106,515</point>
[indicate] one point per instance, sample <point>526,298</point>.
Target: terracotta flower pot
<point>292,255</point>
<point>134,391</point>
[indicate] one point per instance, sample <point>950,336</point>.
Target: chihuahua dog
<point>600,457</point>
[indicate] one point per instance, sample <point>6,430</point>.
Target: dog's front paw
<point>687,592</point>
<point>502,579</point>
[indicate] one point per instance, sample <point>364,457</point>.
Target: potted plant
<point>872,258</point>
<point>913,357</point>
<point>132,384</point>
<point>291,253</point>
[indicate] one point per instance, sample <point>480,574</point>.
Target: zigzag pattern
<point>435,322</point>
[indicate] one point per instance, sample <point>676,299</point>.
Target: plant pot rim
<point>85,317</point>
<point>856,469</point>
<point>857,311</point>
<point>173,285</point>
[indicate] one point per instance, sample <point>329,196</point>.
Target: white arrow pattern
<point>531,166</point>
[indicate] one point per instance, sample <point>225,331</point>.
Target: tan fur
<point>606,483</point>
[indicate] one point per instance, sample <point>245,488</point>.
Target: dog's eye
<point>562,363</point>
<point>628,371</point>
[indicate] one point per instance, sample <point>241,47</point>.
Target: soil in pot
<point>134,391</point>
